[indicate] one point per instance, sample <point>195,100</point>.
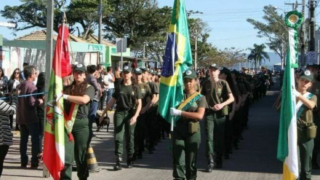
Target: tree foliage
<point>258,54</point>
<point>137,19</point>
<point>141,20</point>
<point>33,13</point>
<point>85,13</point>
<point>274,29</point>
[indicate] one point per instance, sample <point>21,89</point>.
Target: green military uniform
<point>216,93</point>
<point>305,143</point>
<point>315,89</point>
<point>229,122</point>
<point>185,144</point>
<point>141,129</point>
<point>77,148</point>
<point>243,91</point>
<point>125,99</point>
<point>247,102</point>
<point>151,120</point>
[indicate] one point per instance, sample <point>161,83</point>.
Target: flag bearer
<point>186,136</point>
<point>306,128</point>
<point>218,96</point>
<point>77,101</point>
<point>128,98</point>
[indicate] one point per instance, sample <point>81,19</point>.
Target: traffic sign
<point>312,57</point>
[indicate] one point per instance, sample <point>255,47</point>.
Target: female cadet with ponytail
<point>128,98</point>
<point>77,97</point>
<point>186,136</point>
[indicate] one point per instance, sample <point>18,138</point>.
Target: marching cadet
<point>218,96</point>
<point>306,128</point>
<point>266,79</point>
<point>315,89</point>
<point>152,109</point>
<point>186,136</point>
<point>141,129</point>
<point>225,74</point>
<point>128,98</point>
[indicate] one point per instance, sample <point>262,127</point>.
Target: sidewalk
<point>255,160</point>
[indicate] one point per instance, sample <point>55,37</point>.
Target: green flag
<point>177,59</point>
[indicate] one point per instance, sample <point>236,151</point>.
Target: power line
<point>233,38</point>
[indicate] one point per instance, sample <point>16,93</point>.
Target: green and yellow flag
<point>177,59</point>
<point>287,143</point>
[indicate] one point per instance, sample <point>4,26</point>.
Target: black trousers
<point>3,152</point>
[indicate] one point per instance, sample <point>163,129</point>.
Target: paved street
<point>255,160</point>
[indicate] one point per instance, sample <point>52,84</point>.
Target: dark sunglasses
<point>17,72</point>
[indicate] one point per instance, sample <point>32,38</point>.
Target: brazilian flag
<point>177,59</point>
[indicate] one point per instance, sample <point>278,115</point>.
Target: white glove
<point>57,98</point>
<point>175,112</point>
<point>296,93</point>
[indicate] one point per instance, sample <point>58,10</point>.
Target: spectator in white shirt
<point>108,81</point>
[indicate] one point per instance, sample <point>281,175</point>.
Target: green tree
<point>33,13</point>
<point>274,29</point>
<point>155,43</point>
<point>258,54</point>
<point>198,29</point>
<point>233,56</point>
<point>85,13</point>
<point>139,20</point>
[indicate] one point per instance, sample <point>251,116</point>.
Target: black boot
<point>118,163</point>
<point>218,161</point>
<point>130,161</point>
<point>315,164</point>
<point>210,163</point>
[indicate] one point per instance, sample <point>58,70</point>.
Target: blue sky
<point>226,18</point>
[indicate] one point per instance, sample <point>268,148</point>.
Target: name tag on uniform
<point>219,90</point>
<point>143,91</point>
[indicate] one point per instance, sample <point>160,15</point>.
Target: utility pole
<point>302,36</point>
<point>312,7</point>
<point>294,5</point>
<point>100,21</point>
<point>189,13</point>
<point>49,49</point>
<point>196,50</point>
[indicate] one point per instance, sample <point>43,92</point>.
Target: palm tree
<point>258,54</point>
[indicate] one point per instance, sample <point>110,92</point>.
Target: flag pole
<point>49,48</point>
<point>172,117</point>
